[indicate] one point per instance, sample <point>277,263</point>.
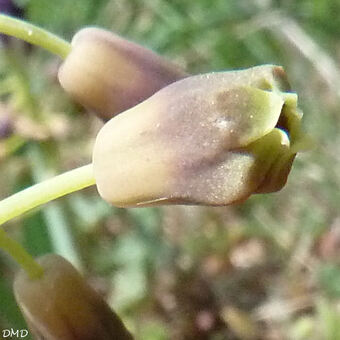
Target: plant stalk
<point>46,191</point>
<point>20,255</point>
<point>34,35</point>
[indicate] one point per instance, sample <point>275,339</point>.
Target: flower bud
<point>108,74</point>
<point>210,139</point>
<point>61,305</point>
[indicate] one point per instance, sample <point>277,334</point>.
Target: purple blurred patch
<point>6,127</point>
<point>8,7</point>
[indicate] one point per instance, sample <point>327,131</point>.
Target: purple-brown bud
<point>62,306</point>
<point>108,74</point>
<point>211,139</point>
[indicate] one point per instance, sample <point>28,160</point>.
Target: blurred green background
<point>266,269</point>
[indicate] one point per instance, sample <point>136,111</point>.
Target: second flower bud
<point>109,74</point>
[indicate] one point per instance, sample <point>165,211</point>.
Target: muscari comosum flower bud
<point>61,305</point>
<point>210,139</point>
<point>109,74</point>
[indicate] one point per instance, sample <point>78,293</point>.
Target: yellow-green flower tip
<point>108,74</point>
<point>62,306</point>
<point>211,139</point>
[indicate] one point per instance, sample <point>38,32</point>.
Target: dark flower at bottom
<point>62,306</point>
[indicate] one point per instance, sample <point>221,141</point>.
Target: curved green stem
<point>34,35</point>
<point>46,191</point>
<point>50,189</point>
<point>32,197</point>
<point>20,255</point>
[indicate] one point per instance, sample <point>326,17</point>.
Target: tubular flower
<point>61,305</point>
<point>108,74</point>
<point>211,139</point>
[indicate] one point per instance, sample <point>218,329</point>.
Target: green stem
<point>33,197</point>
<point>34,35</point>
<point>20,255</point>
<point>46,191</point>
